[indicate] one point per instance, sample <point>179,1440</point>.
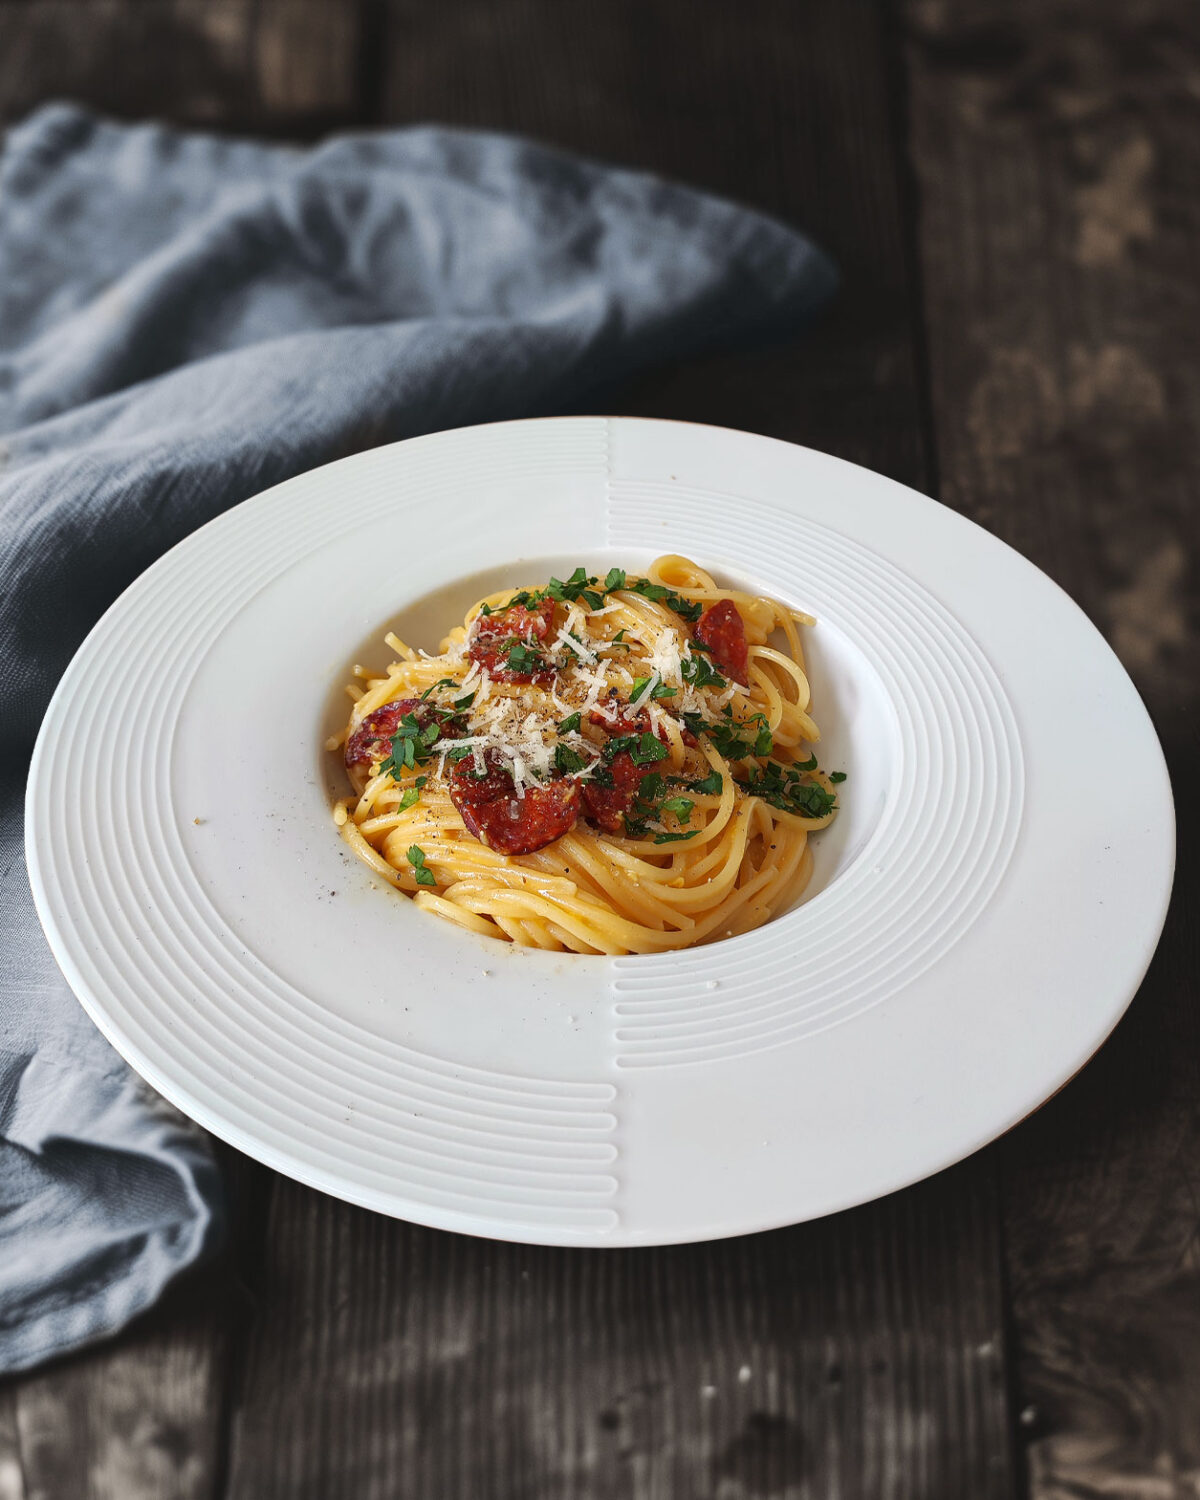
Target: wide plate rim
<point>295,1166</point>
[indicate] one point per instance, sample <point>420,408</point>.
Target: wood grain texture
<point>12,1471</point>
<point>783,105</point>
<point>856,1357</point>
<point>140,1418</point>
<point>1057,153</point>
<point>270,66</point>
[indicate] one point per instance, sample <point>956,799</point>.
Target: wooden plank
<point>781,104</point>
<point>12,1476</point>
<point>1056,151</point>
<point>136,1419</point>
<point>859,1356</point>
<point>306,60</point>
<point>277,66</point>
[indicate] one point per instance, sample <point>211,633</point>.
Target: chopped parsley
<point>784,787</point>
<point>441,682</point>
<point>736,739</point>
<point>644,749</point>
<point>701,673</point>
<point>680,806</point>
<point>412,794</point>
<point>582,587</point>
<point>710,786</point>
<point>566,759</point>
<point>421,872</point>
<point>410,745</point>
<point>578,587</point>
<point>650,750</point>
<point>521,659</point>
<point>527,597</point>
<point>675,838</point>
<point>661,690</point>
<point>659,593</point>
<point>645,807</point>
<point>648,809</point>
<point>650,787</point>
<point>569,724</point>
<point>837,775</point>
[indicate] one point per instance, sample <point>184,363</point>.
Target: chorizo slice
<point>722,629</point>
<point>497,817</point>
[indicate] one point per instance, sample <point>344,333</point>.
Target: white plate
<point>981,913</point>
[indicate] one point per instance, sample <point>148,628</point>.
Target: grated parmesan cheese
<point>515,725</point>
<point>582,651</point>
<point>666,657</point>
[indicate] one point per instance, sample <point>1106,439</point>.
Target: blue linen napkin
<point>185,320</point>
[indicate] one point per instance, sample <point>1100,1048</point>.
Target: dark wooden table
<point>1013,190</point>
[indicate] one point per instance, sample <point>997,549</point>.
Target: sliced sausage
<point>494,814</point>
<point>723,631</point>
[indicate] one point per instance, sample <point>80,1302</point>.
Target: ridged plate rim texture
<point>532,1156</point>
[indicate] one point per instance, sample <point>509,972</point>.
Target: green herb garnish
<point>410,745</point>
<point>701,673</point>
<point>412,794</point>
<point>710,786</point>
<point>735,739</point>
<point>674,838</point>
<point>649,749</point>
<point>658,593</point>
<point>650,787</point>
<point>680,806</point>
<point>784,787</point>
<point>661,690</point>
<point>402,758</point>
<point>522,659</point>
<point>527,597</point>
<point>837,775</point>
<point>620,742</point>
<point>572,590</point>
<point>416,858</point>
<point>569,724</point>
<point>566,759</point>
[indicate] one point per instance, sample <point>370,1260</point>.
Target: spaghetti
<point>602,765</point>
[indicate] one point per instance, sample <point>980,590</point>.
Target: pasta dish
<point>598,765</point>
